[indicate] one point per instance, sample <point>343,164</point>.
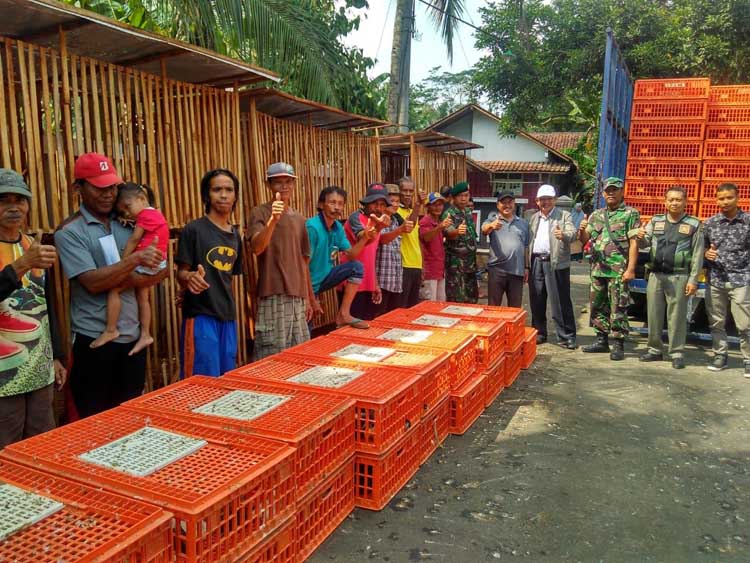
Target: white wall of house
<point>481,129</point>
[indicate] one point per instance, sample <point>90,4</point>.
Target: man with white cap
<point>278,237</point>
<point>550,233</point>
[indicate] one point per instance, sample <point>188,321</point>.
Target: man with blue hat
<point>461,249</point>
<point>29,338</point>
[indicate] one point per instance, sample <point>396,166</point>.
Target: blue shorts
<point>208,346</point>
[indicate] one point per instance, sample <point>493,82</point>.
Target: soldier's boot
<point>600,346</point>
<point>618,349</point>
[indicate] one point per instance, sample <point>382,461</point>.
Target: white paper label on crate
<point>358,353</point>
<point>406,336</point>
<point>21,509</point>
<point>144,451</point>
<point>456,310</point>
<point>242,405</point>
<point>435,320</point>
<point>327,376</point>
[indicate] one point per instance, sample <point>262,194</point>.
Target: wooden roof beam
<point>151,58</point>
<point>54,30</point>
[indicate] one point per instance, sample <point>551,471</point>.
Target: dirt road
<point>582,460</point>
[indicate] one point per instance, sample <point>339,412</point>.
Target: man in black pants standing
<point>411,252</point>
<point>551,232</point>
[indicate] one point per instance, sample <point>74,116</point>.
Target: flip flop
<point>355,323</point>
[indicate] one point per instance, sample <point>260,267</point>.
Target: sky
<point>375,35</point>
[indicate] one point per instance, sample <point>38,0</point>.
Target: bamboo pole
<point>4,122</point>
<point>50,150</point>
<point>59,178</point>
<point>15,134</point>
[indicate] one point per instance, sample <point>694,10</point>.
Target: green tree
<point>542,54</point>
<point>301,40</point>
<point>439,95</point>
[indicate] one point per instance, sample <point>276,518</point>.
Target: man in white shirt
<point>551,231</point>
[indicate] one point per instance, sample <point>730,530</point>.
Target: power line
<point>382,31</point>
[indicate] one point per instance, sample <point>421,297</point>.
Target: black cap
<point>506,193</point>
<point>374,193</point>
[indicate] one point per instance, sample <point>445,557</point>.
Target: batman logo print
<point>222,258</point>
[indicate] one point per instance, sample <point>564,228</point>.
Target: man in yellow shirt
<point>411,252</point>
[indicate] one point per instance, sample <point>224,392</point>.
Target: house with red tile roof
<point>520,162</point>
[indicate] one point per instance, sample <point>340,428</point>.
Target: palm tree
<point>444,14</point>
<point>298,39</point>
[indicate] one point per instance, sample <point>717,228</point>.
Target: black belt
<point>541,257</point>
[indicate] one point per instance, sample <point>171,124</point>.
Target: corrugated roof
<point>91,35</point>
<point>559,141</point>
<point>286,106</point>
<point>428,139</point>
<point>520,166</point>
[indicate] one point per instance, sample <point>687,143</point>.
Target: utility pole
<point>398,93</point>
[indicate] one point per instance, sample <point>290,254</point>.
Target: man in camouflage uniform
<point>675,260</point>
<point>614,254</point>
<point>461,249</point>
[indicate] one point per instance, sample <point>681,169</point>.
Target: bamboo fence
<point>55,106</point>
<point>320,158</point>
<point>430,169</point>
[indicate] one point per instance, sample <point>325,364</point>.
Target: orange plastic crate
<point>650,207</point>
<point>513,365</point>
<point>491,336</point>
<point>736,94</point>
<point>709,209</point>
<point>678,110</point>
<point>224,497</point>
<point>93,525</point>
<point>467,403</point>
<point>377,478</point>
<point>388,399</point>
<point>728,132</point>
<point>708,189</point>
<point>319,426</point>
<point>665,170</point>
<point>515,319</point>
<point>729,115</point>
<point>278,547</point>
<point>674,150</point>
<point>667,130</point>
<point>670,88</point>
<point>496,378</point>
<point>643,189</point>
<point>321,511</point>
<point>727,150</point>
<point>435,429</point>
<point>528,354</point>
<point>724,171</point>
<point>432,364</point>
<point>462,347</point>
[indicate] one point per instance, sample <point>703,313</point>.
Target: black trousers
<point>545,282</point>
<point>412,282</point>
<point>390,302</point>
<point>102,378</point>
<point>363,307</point>
<point>502,284</point>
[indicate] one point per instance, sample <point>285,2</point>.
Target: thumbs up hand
<point>641,231</point>
<point>151,256</point>
<point>277,208</point>
<point>557,231</point>
<point>712,253</point>
<point>37,257</point>
<point>196,282</point>
<point>584,223</point>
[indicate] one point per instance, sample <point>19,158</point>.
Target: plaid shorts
<point>281,324</point>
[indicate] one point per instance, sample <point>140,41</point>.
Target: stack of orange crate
<point>229,494</point>
<point>727,147</point>
<point>319,426</point>
<point>394,403</point>
<point>668,124</point>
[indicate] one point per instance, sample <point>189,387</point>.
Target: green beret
<point>460,188</point>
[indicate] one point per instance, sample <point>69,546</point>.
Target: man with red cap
<point>90,243</point>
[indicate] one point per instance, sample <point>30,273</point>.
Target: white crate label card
<point>456,310</point>
<point>144,451</point>
<point>435,320</point>
<point>406,336</point>
<point>327,376</point>
<point>21,509</point>
<point>242,405</point>
<point>359,353</point>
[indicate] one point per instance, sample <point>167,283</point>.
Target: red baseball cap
<point>97,170</point>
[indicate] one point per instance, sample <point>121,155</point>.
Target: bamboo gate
<point>320,158</point>
<point>55,106</point>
